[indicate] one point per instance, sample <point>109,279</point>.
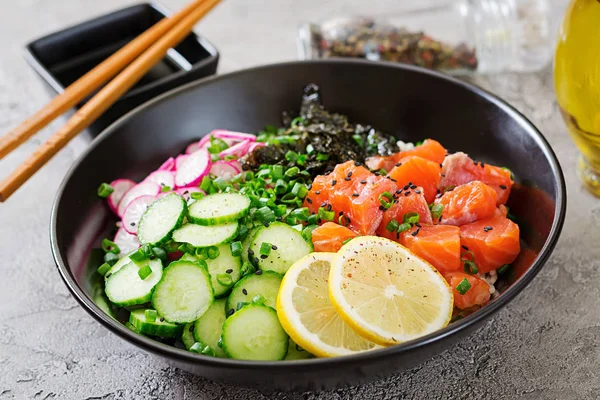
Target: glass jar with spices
<point>462,37</point>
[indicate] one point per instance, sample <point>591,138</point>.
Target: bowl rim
<point>185,356</point>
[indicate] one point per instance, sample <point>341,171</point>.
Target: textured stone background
<point>544,345</point>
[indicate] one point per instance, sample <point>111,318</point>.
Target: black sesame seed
<point>341,213</point>
<point>308,200</point>
<point>443,175</point>
<point>278,219</point>
<point>399,191</point>
<point>329,207</point>
<point>266,224</point>
<point>274,247</point>
<point>333,182</point>
<point>229,271</point>
<point>418,225</point>
<point>437,196</point>
<point>162,319</point>
<point>406,187</point>
<point>318,192</point>
<point>263,256</point>
<point>357,164</point>
<point>417,191</point>
<point>413,186</point>
<point>259,272</point>
<point>399,164</point>
<point>349,174</point>
<point>406,193</point>
<point>415,233</point>
<point>376,173</point>
<point>245,292</point>
<point>465,247</point>
<point>363,182</point>
<point>250,252</point>
<point>191,328</point>
<point>392,179</point>
<point>355,194</point>
<point>441,165</point>
<point>347,178</point>
<point>382,208</point>
<point>482,165</point>
<point>107,275</point>
<point>324,204</point>
<point>230,312</point>
<point>132,224</point>
<point>256,260</point>
<point>503,187</point>
<point>475,162</point>
<point>309,186</point>
<point>348,220</point>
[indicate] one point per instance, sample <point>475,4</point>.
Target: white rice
<point>403,146</point>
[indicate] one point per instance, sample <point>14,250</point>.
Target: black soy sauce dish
<point>413,103</point>
<point>63,57</point>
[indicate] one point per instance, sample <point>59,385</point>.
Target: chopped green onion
<point>197,347</point>
<point>291,156</point>
<point>225,280</point>
<point>111,258</point>
<point>144,272</point>
<point>265,249</point>
<point>197,195</point>
<point>281,186</point>
<point>383,171</point>
<point>419,143</point>
<point>392,226</point>
<point>346,241</point>
<point>300,190</point>
<point>291,220</point>
<point>208,351</point>
<point>301,214</point>
<point>263,173</point>
<point>110,247</point>
<point>290,173</point>
<point>411,218</point>
<point>212,252</point>
<point>215,157</point>
<point>359,140</point>
<point>236,249</point>
<point>386,199</point>
<point>298,120</point>
<point>301,159</point>
<point>138,256</point>
<point>248,176</point>
<point>277,171</point>
<point>470,267</point>
<point>457,318</point>
<point>313,219</point>
<point>104,190</point>
<point>258,299</point>
<point>280,210</point>
<point>216,145</point>
<point>160,254</point>
<point>201,253</point>
<point>206,184</point>
<point>247,269</point>
<point>266,214</point>
<point>512,176</point>
<point>242,231</point>
<point>326,215</point>
<point>150,315</point>
<point>504,269</point>
<point>322,157</point>
<point>220,183</point>
<point>403,227</point>
<point>165,189</point>
<point>240,305</point>
<point>310,149</point>
<point>463,287</point>
<point>307,232</point>
<point>288,198</point>
<point>104,268</point>
<point>436,211</point>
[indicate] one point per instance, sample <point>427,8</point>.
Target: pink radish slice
<point>134,211</point>
<point>237,136</point>
<point>120,186</point>
<point>192,148</point>
<point>237,150</point>
<point>168,165</point>
<point>141,189</point>
<point>162,178</point>
<point>126,241</point>
<point>254,146</point>
<point>191,170</point>
<point>186,193</point>
<point>223,169</point>
<point>236,164</point>
<point>180,159</point>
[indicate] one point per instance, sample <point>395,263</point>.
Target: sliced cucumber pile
<point>126,288</point>
<point>254,333</point>
<point>206,236</point>
<point>161,218</point>
<point>208,328</point>
<point>261,283</point>
<point>219,208</point>
<point>277,247</point>
<point>187,336</point>
<point>184,293</point>
<point>147,321</point>
<point>224,270</point>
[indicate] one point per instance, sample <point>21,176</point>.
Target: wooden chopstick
<point>103,100</point>
<point>91,81</point>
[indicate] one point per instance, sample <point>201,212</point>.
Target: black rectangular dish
<point>63,57</point>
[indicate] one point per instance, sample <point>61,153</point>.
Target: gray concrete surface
<point>544,345</point>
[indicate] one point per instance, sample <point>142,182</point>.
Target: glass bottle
<point>461,37</point>
<point>577,84</point>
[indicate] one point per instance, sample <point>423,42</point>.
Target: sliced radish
<point>237,150</point>
<point>191,170</point>
<point>162,178</point>
<point>168,165</point>
<point>254,146</point>
<point>223,169</point>
<point>134,211</point>
<point>141,189</point>
<point>192,148</point>
<point>180,159</point>
<point>120,187</point>
<point>126,241</point>
<point>237,136</point>
<point>186,193</point>
<point>236,164</point>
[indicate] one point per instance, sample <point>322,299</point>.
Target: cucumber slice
<point>187,336</point>
<point>123,261</point>
<point>208,328</point>
<point>137,318</point>
<point>205,236</point>
<point>296,352</point>
<point>161,218</point>
<point>265,284</point>
<point>219,208</point>
<point>246,245</point>
<point>184,292</point>
<point>222,266</point>
<point>289,244</point>
<point>254,333</point>
<point>126,288</point>
<point>103,304</point>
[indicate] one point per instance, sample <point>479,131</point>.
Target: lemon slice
<point>307,315</point>
<point>386,293</point>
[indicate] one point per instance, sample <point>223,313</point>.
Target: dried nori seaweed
<point>328,133</point>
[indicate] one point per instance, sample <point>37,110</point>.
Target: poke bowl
<point>308,225</point>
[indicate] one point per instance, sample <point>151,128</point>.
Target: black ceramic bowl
<point>410,102</point>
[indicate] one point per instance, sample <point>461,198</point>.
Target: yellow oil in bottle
<point>577,84</point>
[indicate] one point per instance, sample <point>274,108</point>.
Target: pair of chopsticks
<point>129,64</point>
